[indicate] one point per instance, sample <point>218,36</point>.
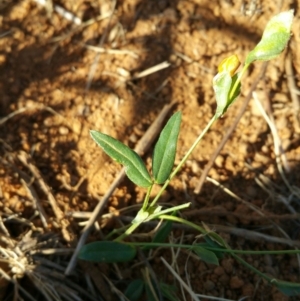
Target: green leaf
<point>107,251</point>
<point>168,291</point>
<point>150,294</point>
<point>205,245</point>
<point>134,166</point>
<point>165,149</point>
<point>134,290</point>
<point>288,288</point>
<point>274,39</point>
<point>223,85</point>
<point>163,232</point>
<point>205,255</point>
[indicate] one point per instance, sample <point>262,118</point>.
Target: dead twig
<point>83,25</point>
<point>60,10</point>
<point>97,57</point>
<point>280,156</point>
<point>151,70</point>
<point>12,114</point>
<point>254,235</point>
<point>36,202</point>
<point>293,88</point>
<point>25,180</point>
<point>178,278</point>
<point>26,160</point>
<point>111,51</point>
<point>230,130</point>
<point>141,147</point>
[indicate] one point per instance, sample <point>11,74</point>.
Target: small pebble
<point>63,130</point>
<point>236,282</point>
<point>209,285</point>
<point>219,271</point>
<point>219,161</point>
<point>227,265</point>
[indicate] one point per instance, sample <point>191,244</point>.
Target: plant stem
<point>183,160</point>
<point>127,232</point>
<point>146,201</point>
<point>249,252</point>
<point>232,92</point>
<point>252,268</point>
<point>183,246</point>
<point>183,221</point>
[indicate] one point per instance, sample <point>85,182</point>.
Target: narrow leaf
<point>274,39</point>
<point>107,251</point>
<point>168,291</point>
<point>206,255</point>
<point>134,166</point>
<point>151,296</point>
<point>288,288</point>
<point>165,149</point>
<point>134,290</point>
<point>207,246</point>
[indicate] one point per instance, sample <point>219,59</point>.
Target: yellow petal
<point>230,64</point>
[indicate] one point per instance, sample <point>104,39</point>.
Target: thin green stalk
<point>116,231</point>
<point>232,92</point>
<point>250,252</point>
<point>184,246</point>
<point>212,235</point>
<point>127,232</point>
<point>183,221</point>
<point>252,268</point>
<point>183,160</point>
<point>146,201</point>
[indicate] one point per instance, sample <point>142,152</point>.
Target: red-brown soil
<point>64,88</point>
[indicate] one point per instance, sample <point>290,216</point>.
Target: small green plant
<point>227,86</point>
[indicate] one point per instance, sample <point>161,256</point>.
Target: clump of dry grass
<point>34,266</point>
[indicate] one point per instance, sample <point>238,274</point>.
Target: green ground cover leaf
<point>134,290</point>
<point>134,166</point>
<point>165,149</point>
<point>107,251</point>
<point>205,255</point>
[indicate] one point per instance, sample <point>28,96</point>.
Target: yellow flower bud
<point>230,64</point>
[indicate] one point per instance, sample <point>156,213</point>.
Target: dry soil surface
<point>61,77</point>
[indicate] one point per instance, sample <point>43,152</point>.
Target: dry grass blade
<point>111,51</point>
<point>178,278</point>
<point>256,209</point>
<point>280,156</point>
<point>254,235</point>
<point>11,115</point>
<point>97,57</point>
<point>37,203</point>
<point>293,88</point>
<point>151,70</point>
<point>60,10</point>
<point>147,279</point>
<point>24,158</point>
